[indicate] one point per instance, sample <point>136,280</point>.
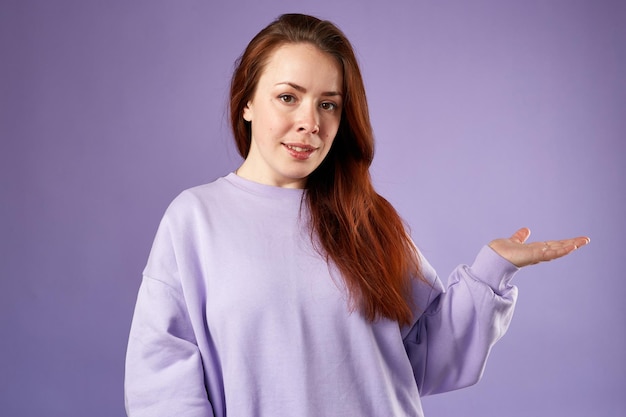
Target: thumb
<point>521,235</point>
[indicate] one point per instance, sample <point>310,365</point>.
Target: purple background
<point>489,115</point>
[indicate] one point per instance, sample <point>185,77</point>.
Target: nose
<point>308,121</point>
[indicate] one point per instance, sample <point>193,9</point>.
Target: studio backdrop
<point>489,115</point>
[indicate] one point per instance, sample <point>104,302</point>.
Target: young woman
<point>290,287</point>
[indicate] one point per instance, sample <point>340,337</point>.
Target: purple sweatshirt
<point>238,315</point>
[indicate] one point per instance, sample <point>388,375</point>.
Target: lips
<point>299,151</point>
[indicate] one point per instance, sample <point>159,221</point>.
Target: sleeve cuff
<point>493,270</point>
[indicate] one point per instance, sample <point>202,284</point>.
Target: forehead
<point>303,63</point>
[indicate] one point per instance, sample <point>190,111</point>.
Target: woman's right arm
<point>164,370</point>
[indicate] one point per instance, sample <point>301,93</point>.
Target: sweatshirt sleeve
<point>164,371</point>
<point>449,344</point>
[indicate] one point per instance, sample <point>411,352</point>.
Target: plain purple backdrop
<point>489,115</point>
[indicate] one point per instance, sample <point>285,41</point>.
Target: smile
<point>300,148</point>
<point>300,152</point>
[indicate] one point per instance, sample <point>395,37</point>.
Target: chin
<point>299,173</point>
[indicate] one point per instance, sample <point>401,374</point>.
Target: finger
<point>521,235</point>
<point>557,252</point>
<point>554,249</point>
<point>581,241</point>
<point>577,242</point>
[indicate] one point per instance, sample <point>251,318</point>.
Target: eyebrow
<point>303,90</point>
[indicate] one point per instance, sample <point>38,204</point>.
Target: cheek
<point>268,125</point>
<point>276,122</point>
<point>329,139</point>
<point>331,130</point>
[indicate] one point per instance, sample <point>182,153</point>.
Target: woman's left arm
<point>449,345</point>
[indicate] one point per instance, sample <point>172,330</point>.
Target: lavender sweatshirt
<point>238,315</point>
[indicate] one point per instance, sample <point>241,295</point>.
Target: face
<point>294,116</point>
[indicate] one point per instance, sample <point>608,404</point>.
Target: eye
<point>328,106</point>
<point>287,98</point>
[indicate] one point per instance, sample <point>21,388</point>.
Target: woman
<point>290,288</point>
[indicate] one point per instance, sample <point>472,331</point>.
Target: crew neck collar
<point>263,189</point>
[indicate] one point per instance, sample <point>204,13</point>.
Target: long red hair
<point>356,228</point>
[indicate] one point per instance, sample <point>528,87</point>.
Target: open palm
<point>518,252</point>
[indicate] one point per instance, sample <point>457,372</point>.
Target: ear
<point>247,112</point>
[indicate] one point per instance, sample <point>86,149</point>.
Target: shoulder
<point>197,199</point>
<point>193,209</point>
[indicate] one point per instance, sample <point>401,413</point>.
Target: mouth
<point>300,152</point>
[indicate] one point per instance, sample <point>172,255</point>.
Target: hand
<point>519,253</point>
